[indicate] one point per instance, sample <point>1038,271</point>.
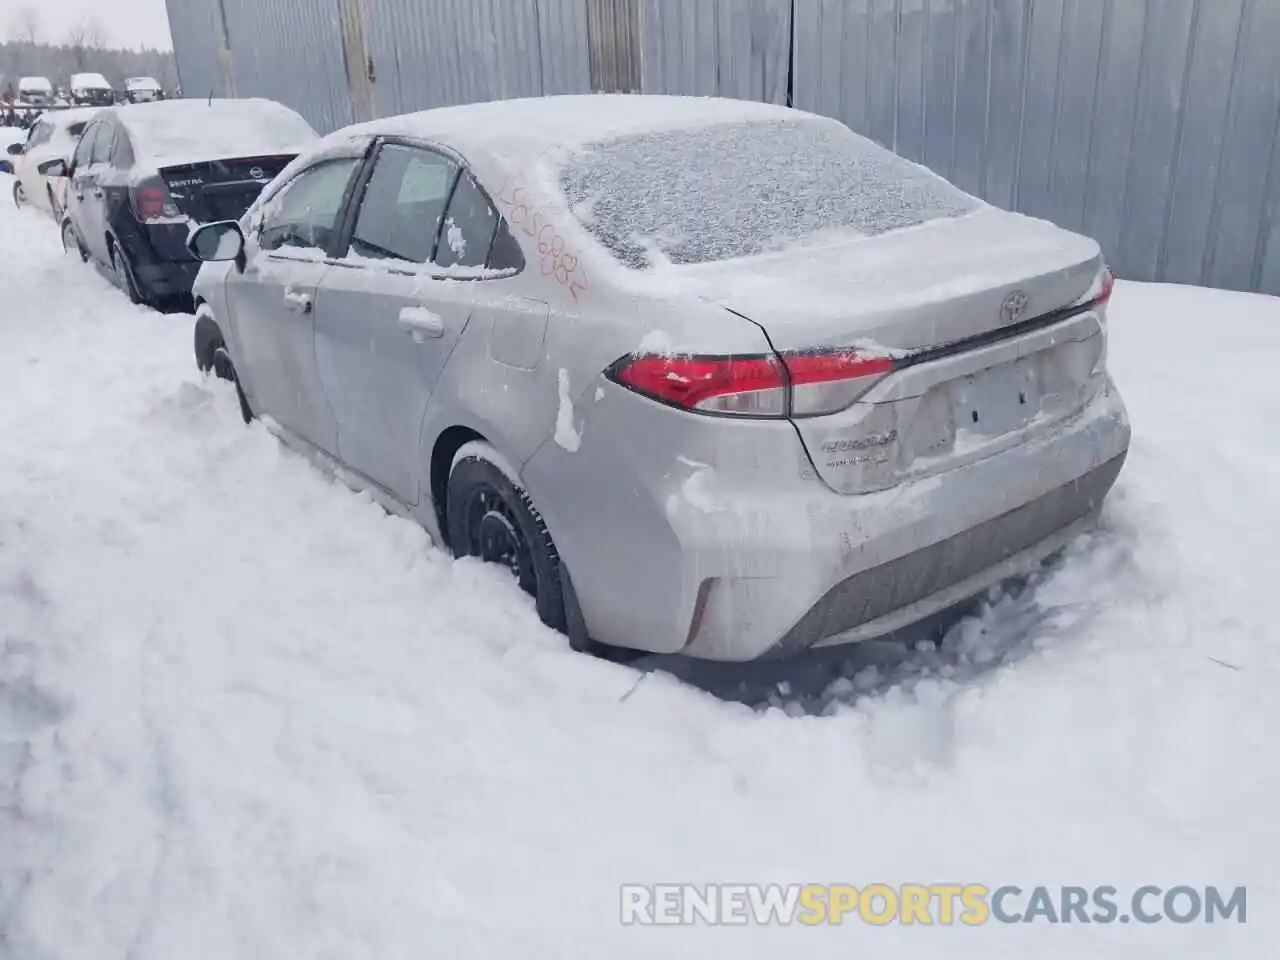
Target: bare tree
<point>84,36</point>
<point>26,25</point>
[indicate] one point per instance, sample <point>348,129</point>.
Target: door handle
<point>421,322</point>
<point>297,302</point>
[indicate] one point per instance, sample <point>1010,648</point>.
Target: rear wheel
<point>491,516</point>
<point>70,242</point>
<point>19,194</point>
<point>126,279</point>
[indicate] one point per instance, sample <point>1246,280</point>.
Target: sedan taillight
<point>799,384</point>
<point>152,201</point>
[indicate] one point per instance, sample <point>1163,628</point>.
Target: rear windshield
<point>741,189</point>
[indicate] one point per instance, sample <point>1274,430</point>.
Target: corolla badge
<point>257,173</point>
<point>1014,306</point>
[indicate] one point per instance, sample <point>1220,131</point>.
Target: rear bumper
<point>722,573</point>
<point>895,595</point>
<point>168,279</point>
<point>878,563</point>
<point>160,258</point>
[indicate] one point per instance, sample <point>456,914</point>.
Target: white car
<point>36,91</point>
<point>91,90</point>
<point>53,137</point>
<point>143,89</point>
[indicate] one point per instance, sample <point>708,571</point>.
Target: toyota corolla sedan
<point>710,377</point>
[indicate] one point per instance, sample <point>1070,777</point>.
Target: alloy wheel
<point>494,536</point>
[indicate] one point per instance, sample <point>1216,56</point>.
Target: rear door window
<point>103,144</point>
<point>469,225</point>
<point>121,152</point>
<point>84,149</point>
<point>403,204</point>
<point>40,134</point>
<point>304,213</point>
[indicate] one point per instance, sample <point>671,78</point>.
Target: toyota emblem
<point>257,173</point>
<point>1014,306</point>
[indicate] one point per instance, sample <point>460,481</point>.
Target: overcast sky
<point>125,23</point>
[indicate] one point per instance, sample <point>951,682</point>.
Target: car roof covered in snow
<point>61,119</point>
<point>142,83</point>
<point>35,83</point>
<point>570,121</point>
<point>89,81</point>
<point>174,132</point>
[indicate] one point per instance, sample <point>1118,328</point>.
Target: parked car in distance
<point>91,90</point>
<point>710,377</point>
<point>35,91</point>
<point>142,90</point>
<point>142,173</point>
<point>54,136</point>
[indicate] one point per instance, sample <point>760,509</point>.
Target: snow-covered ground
<point>246,714</point>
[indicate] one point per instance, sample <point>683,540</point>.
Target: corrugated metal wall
<point>1153,125</point>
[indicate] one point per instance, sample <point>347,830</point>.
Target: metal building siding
<point>728,48</point>
<point>193,27</point>
<point>1151,125</point>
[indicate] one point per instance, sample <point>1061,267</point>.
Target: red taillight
<point>797,384</point>
<point>152,201</point>
<point>1108,284</point>
<point>832,380</point>
<point>745,385</point>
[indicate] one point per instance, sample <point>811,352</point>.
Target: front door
<point>387,320</point>
<point>277,298</point>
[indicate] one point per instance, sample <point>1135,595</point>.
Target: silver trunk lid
<point>978,311</point>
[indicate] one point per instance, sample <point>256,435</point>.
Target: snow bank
<point>244,713</point>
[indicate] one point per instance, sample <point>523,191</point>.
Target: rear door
<point>274,301</point>
<point>387,320</point>
<point>86,195</point>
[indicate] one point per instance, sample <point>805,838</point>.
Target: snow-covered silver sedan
<point>711,377</point>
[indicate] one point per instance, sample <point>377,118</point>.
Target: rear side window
<point>403,204</point>
<point>122,152</point>
<point>75,130</point>
<point>84,149</point>
<point>469,224</point>
<point>40,135</point>
<point>103,144</point>
<point>304,213</point>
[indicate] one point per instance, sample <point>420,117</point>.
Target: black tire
<point>226,370</point>
<point>70,241</point>
<point>53,206</point>
<point>19,194</point>
<point>207,339</point>
<point>125,277</point>
<point>492,518</point>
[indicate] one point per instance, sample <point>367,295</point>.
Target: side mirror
<point>53,168</point>
<point>15,149</point>
<point>217,242</point>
